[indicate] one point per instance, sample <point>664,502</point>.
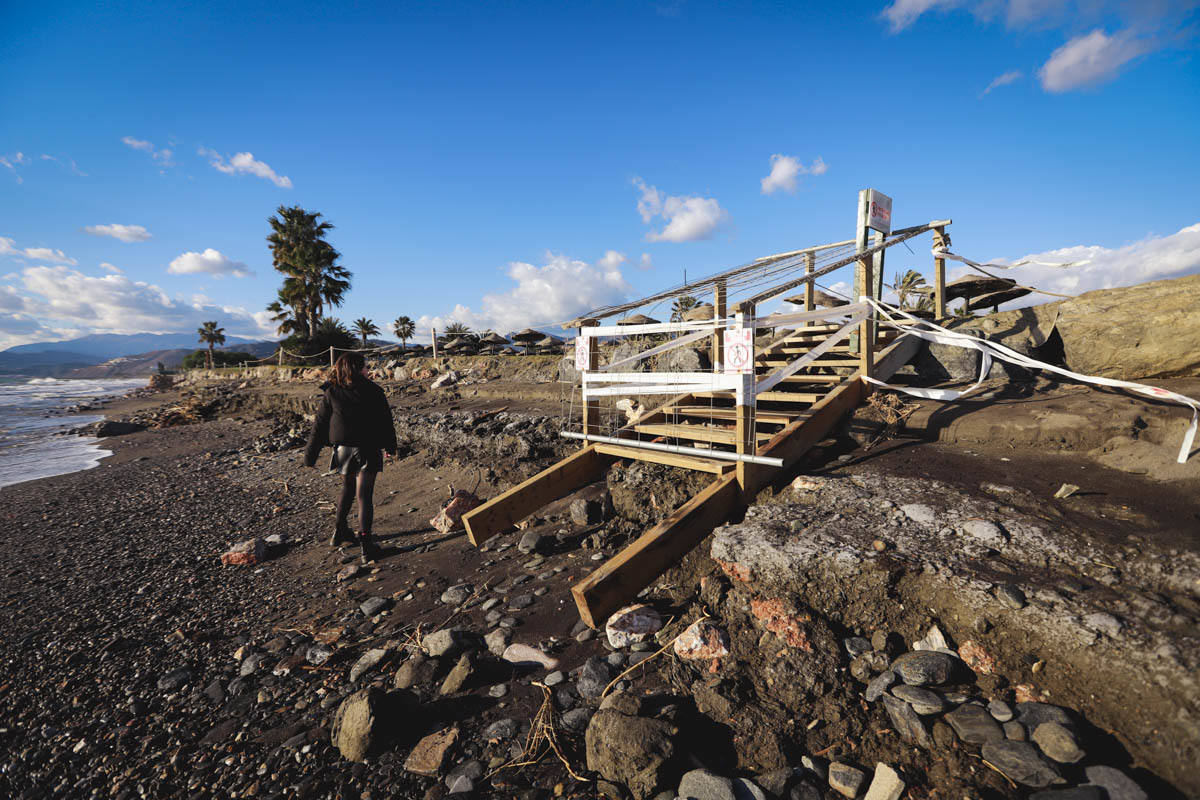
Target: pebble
<point>174,680</point>
<point>1057,742</point>
<point>373,605</point>
<point>498,690</point>
<point>577,719</point>
<point>906,721</point>
<point>554,678</point>
<point>501,730</point>
<point>593,678</point>
<point>923,701</point>
<point>919,513</point>
<point>845,779</point>
<point>1014,731</point>
<point>878,685</point>
<point>856,646</point>
<point>1117,784</point>
<point>1021,763</point>
<point>746,789</point>
<point>974,724</point>
<point>520,601</point>
<point>924,668</point>
<point>986,533</point>
<point>1000,711</point>
<point>457,594</point>
<point>885,784</point>
<point>700,784</point>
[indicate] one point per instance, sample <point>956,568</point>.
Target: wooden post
<point>746,440</point>
<point>281,356</point>
<point>433,333</point>
<point>939,275</point>
<point>810,291</point>
<point>331,357</point>
<point>720,297</point>
<point>591,407</point>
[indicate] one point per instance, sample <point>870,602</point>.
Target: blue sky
<point>505,164</point>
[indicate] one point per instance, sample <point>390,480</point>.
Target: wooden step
<point>790,397</point>
<point>808,379</point>
<point>772,417</point>
<point>696,433</point>
<point>670,459</point>
<point>821,362</point>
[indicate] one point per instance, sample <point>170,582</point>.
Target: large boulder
<point>637,752</point>
<point>683,359</point>
<point>1147,331</point>
<point>367,720</point>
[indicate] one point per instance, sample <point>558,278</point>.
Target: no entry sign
<point>739,351</point>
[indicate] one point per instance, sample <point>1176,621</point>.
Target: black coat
<point>357,415</point>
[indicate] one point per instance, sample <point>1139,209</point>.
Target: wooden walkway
<point>795,415</point>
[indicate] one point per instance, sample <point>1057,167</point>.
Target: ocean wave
<point>43,380</point>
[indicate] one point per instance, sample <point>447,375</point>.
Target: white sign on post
<point>582,349</point>
<point>879,212</point>
<point>739,351</point>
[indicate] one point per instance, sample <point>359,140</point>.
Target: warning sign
<point>879,211</point>
<point>739,351</point>
<point>581,352</point>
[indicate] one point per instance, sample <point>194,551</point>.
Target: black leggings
<point>361,485</point>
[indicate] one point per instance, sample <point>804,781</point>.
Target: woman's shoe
<point>341,535</point>
<point>370,551</point>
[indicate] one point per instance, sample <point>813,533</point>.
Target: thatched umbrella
<point>637,319</point>
<point>494,341</point>
<point>527,337</point>
<point>457,343</point>
<point>547,342</point>
<point>993,299</point>
<point>698,313</point>
<point>820,298</point>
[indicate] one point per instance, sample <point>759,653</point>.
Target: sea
<point>31,444</point>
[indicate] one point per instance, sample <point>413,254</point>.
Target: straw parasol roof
<point>637,319</point>
<point>698,313</point>
<point>549,341</point>
<point>527,335</point>
<point>994,299</point>
<point>494,338</point>
<point>971,286</point>
<point>820,298</point>
<point>456,343</point>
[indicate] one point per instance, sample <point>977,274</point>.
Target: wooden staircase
<point>797,413</point>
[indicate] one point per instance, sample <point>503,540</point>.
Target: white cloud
<point>558,291</point>
<point>645,263</point>
<point>11,162</point>
<point>161,157</point>
<point>8,248</point>
<point>1150,259</point>
<point>210,262</point>
<point>785,170</point>
<point>1002,80</point>
<point>68,163</point>
<point>902,13</point>
<point>611,260</point>
<point>60,302</point>
<point>111,268</point>
<point>1090,59</point>
<point>687,218</point>
<point>245,163</point>
<point>126,233</point>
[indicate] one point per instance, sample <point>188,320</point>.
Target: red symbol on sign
<point>581,353</point>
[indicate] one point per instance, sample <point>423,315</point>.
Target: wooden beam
<point>619,579</point>
<point>669,459</point>
<point>695,433</point>
<point>559,480</point>
<point>730,414</point>
<point>939,275</point>
<point>720,296</point>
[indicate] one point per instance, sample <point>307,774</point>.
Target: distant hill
<point>60,358</point>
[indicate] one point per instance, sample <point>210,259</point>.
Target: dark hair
<point>348,365</point>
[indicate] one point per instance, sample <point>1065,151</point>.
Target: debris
<point>632,624</point>
<point>1065,491</point>
<point>450,517</point>
<point>247,553</point>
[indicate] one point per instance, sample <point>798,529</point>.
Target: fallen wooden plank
<point>619,579</point>
<point>789,397</point>
<point>669,459</point>
<point>509,508</point>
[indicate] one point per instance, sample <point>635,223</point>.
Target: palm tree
<point>313,281</point>
<point>365,328</point>
<point>457,329</point>
<point>404,328</point>
<point>962,312</point>
<point>907,284</point>
<point>682,304</point>
<point>284,316</point>
<point>210,333</point>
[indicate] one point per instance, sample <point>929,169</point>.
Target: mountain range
<point>140,353</point>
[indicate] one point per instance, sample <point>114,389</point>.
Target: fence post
<point>281,356</point>
<point>433,333</point>
<point>745,401</point>
<point>939,274</point>
<point>331,356</point>
<point>720,298</point>
<point>810,291</point>
<point>591,406</point>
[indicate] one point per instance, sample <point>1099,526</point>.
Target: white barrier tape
<point>942,252</point>
<point>993,349</point>
<point>662,348</point>
<point>771,381</point>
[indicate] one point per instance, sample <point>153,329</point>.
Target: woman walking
<point>354,419</point>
